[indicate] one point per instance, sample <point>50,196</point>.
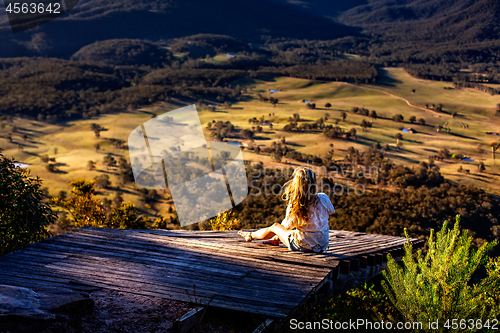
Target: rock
<point>34,310</point>
<point>21,302</point>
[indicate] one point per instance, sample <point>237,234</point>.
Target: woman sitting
<point>305,227</point>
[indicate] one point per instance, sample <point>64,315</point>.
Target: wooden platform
<point>202,267</point>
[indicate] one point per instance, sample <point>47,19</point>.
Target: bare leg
<point>273,241</point>
<point>275,230</point>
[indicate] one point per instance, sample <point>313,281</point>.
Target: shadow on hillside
<point>411,160</point>
<point>386,79</point>
<point>29,130</point>
<point>412,141</point>
<point>293,144</point>
<point>123,190</point>
<point>463,136</point>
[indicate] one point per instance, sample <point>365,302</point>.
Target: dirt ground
<point>123,312</point>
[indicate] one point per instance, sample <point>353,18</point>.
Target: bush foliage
<point>437,285</point>
<point>23,214</point>
<point>87,210</point>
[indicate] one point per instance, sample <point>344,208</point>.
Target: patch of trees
<point>383,171</point>
<point>213,43</point>
<point>86,210</point>
<point>361,111</point>
<point>398,118</point>
<point>52,89</point>
<point>295,126</point>
<point>335,132</point>
<point>418,210</point>
<point>192,77</point>
<point>124,52</point>
<point>365,125</point>
<point>335,70</point>
<point>221,129</point>
<point>452,73</point>
<point>478,86</point>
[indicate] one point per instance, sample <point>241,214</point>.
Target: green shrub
<point>224,221</point>
<point>126,217</point>
<point>87,210</point>
<point>84,208</point>
<point>23,215</point>
<point>437,285</point>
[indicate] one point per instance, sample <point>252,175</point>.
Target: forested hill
<point>164,19</point>
<point>463,21</point>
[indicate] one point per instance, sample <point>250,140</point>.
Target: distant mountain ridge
<point>95,20</point>
<point>431,20</point>
<point>424,21</point>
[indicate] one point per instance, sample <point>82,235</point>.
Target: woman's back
<point>314,234</point>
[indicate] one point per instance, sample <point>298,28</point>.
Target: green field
<point>74,141</point>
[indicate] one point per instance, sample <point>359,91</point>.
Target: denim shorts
<point>294,245</point>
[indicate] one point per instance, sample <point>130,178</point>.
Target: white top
<point>314,235</point>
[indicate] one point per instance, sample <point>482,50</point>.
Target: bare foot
<point>275,242</point>
<point>245,234</point>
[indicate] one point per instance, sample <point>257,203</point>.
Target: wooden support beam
<point>188,321</point>
<point>345,267</point>
<point>363,262</point>
<point>371,260</point>
<point>354,264</point>
<point>265,326</point>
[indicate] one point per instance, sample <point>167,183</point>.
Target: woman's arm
<point>327,203</point>
<point>288,222</point>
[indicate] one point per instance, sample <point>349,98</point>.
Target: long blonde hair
<point>300,193</point>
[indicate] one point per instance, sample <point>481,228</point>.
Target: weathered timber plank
<point>160,260</point>
<point>241,252</point>
<point>264,252</point>
<point>201,290</point>
<point>101,266</point>
<point>166,249</point>
<point>366,245</point>
<point>68,272</point>
<point>369,249</point>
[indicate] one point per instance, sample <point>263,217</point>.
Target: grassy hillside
<point>75,141</point>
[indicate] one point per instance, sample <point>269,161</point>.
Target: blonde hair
<point>300,193</point>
